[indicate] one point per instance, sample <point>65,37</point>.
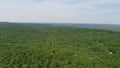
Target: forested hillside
<point>27,46</point>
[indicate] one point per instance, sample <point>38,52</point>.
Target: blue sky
<point>61,11</point>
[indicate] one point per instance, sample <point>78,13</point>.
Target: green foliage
<point>31,46</point>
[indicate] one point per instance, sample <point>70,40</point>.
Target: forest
<point>46,46</point>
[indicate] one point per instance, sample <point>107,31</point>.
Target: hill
<point>4,22</point>
<point>41,46</point>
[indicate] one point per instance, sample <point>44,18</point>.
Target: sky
<point>61,11</point>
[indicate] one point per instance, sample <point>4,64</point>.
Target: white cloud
<point>57,10</point>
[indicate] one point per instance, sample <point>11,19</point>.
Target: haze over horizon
<point>62,11</point>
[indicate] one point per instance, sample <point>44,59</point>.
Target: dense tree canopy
<point>31,46</point>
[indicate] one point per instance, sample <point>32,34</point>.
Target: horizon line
<point>59,23</point>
